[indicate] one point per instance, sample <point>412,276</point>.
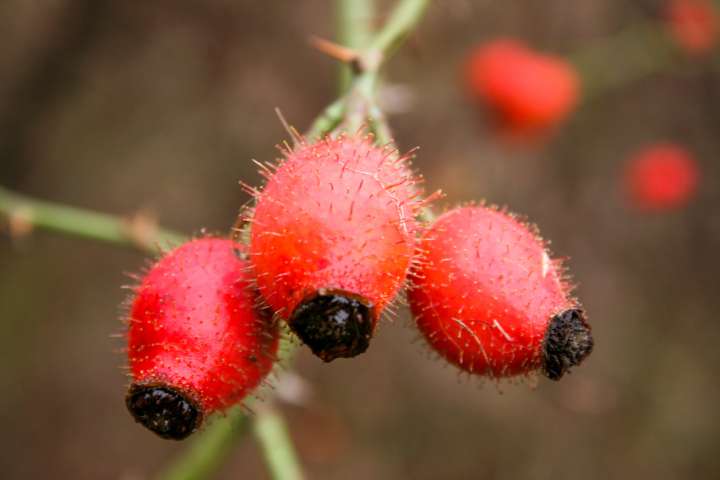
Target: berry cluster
<point>338,231</point>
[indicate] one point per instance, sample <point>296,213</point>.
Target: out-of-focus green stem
<point>209,450</point>
<point>211,446</point>
<point>636,52</point>
<point>354,26</point>
<point>83,223</point>
<point>327,120</point>
<point>403,19</point>
<point>272,433</point>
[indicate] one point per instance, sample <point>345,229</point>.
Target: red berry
<point>489,299</point>
<point>196,344</point>
<point>529,91</point>
<point>332,237</point>
<point>661,177</point>
<point>694,24</point>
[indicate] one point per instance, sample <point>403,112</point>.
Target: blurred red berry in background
<point>694,24</point>
<point>661,177</point>
<point>528,91</point>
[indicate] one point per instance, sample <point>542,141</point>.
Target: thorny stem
<point>354,24</point>
<point>358,105</point>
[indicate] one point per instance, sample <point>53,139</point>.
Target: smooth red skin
<point>529,91</point>
<point>661,177</point>
<point>485,291</point>
<point>337,214</point>
<point>693,24</point>
<point>193,327</point>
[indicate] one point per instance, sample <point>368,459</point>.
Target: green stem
<point>636,52</point>
<point>272,433</point>
<point>207,452</point>
<point>358,104</point>
<point>403,20</point>
<point>83,223</point>
<point>327,120</point>
<point>354,21</point>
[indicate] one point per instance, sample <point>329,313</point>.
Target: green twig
<point>638,51</point>
<point>358,105</point>
<point>402,21</point>
<point>209,449</point>
<point>328,120</point>
<point>128,232</point>
<point>354,23</point>
<point>272,433</point>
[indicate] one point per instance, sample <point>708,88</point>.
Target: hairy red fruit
<point>528,91</point>
<point>196,344</point>
<point>333,234</point>
<point>693,24</point>
<point>489,299</point>
<point>661,177</point>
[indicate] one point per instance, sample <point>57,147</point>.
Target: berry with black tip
<point>196,344</point>
<point>332,237</point>
<point>488,298</point>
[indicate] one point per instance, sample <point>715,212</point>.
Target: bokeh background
<point>160,105</point>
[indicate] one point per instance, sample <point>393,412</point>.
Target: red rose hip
<point>661,177</point>
<point>528,91</point>
<point>693,24</point>
<point>488,298</point>
<point>332,236</point>
<point>196,345</point>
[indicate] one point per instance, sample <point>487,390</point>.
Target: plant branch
<point>271,431</point>
<point>357,105</point>
<point>636,52</point>
<point>208,451</point>
<point>402,21</point>
<point>25,213</point>
<point>354,31</point>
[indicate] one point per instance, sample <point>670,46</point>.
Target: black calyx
<point>334,324</point>
<point>568,341</point>
<point>163,410</point>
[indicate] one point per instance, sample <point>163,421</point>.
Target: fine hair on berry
<point>197,344</point>
<point>332,237</point>
<point>488,298</point>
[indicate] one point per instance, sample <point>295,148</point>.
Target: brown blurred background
<point>160,105</point>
